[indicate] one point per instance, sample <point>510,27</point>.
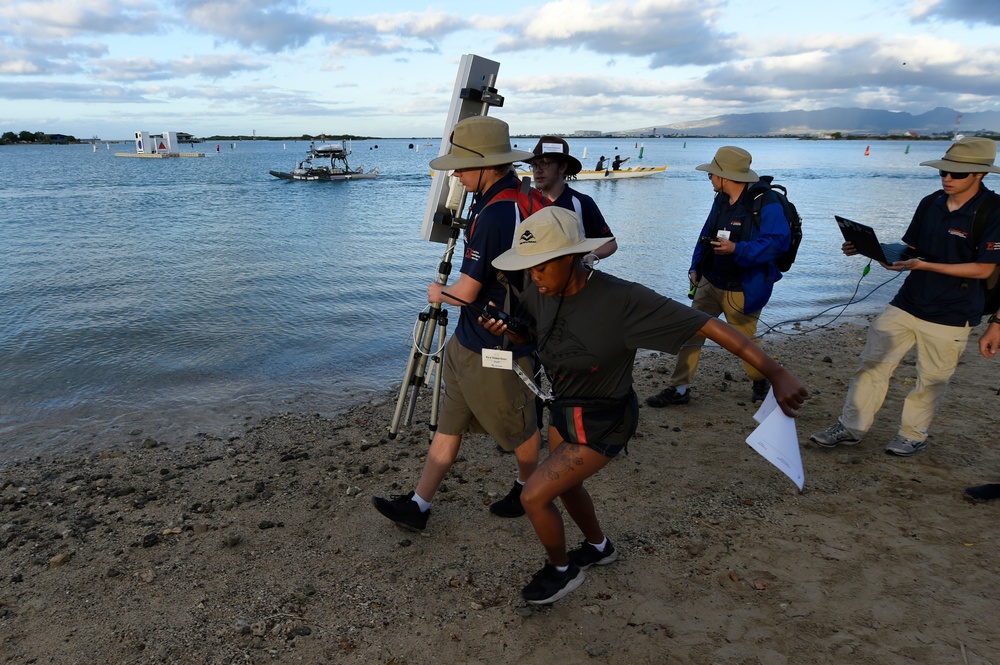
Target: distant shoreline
<point>800,137</point>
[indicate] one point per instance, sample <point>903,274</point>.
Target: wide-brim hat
<point>556,147</point>
<point>969,155</point>
<point>477,142</point>
<point>548,234</point>
<point>731,163</point>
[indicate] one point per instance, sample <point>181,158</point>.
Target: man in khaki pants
<point>732,268</point>
<point>935,308</point>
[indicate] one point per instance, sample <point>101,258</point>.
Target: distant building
<point>57,138</point>
<point>588,133</point>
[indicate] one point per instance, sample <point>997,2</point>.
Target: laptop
<point>866,242</point>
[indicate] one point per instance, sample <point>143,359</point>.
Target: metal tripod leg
<point>437,318</point>
<point>432,323</point>
<point>423,337</point>
<point>436,373</point>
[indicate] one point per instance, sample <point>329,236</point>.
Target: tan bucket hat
<point>478,142</point>
<point>968,155</point>
<point>555,146</point>
<point>731,163</point>
<point>548,234</point>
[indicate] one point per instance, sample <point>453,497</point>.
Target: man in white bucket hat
<point>934,310</point>
<point>477,398</point>
<point>587,326</point>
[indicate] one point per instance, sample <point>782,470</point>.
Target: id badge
<point>498,359</point>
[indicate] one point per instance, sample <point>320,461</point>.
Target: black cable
<point>851,301</point>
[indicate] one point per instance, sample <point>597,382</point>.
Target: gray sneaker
<point>904,447</point>
<point>834,435</point>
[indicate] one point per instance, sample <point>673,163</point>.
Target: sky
<point>108,68</point>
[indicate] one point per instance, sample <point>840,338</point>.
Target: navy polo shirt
<point>942,236</point>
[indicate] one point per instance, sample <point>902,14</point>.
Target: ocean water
<point>187,296</point>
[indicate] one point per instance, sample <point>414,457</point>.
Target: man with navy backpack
<point>733,268</point>
<point>934,310</point>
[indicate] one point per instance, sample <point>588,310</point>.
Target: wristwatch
<point>993,319</point>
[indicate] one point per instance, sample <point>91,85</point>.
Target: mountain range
<point>846,121</point>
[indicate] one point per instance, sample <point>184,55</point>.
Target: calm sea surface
<point>181,296</point>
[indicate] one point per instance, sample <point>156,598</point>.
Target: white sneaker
<point>835,435</point>
<point>904,447</point>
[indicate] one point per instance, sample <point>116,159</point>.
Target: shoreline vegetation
<point>264,547</point>
<point>60,139</point>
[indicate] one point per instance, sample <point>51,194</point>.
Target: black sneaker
<point>586,555</point>
<point>990,492</point>
<point>668,396</point>
<point>403,510</point>
<point>510,505</point>
<point>549,585</point>
<point>760,390</point>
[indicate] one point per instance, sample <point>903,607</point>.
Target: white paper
<point>498,359</point>
<point>766,407</point>
<point>777,440</point>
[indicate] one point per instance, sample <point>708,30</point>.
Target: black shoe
<point>549,585</point>
<point>510,505</point>
<point>990,492</point>
<point>760,390</point>
<point>586,555</point>
<point>668,396</point>
<point>403,510</point>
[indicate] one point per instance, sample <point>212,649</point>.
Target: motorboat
<point>326,162</point>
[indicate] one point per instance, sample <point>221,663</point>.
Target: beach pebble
<point>231,539</point>
<point>60,559</point>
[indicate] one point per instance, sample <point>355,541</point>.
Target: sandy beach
<point>265,547</point>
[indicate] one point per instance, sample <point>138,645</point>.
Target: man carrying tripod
<point>477,399</point>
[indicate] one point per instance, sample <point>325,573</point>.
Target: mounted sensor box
<point>474,94</point>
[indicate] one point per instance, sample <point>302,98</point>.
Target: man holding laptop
<point>941,298</point>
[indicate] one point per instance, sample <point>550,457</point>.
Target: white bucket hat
<point>548,234</point>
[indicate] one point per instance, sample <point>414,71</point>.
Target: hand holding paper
<point>777,440</point>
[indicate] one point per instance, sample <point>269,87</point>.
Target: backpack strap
<point>529,200</point>
<point>982,216</point>
<point>985,210</point>
<point>758,191</point>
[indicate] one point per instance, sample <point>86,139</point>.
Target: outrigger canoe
<point>609,174</point>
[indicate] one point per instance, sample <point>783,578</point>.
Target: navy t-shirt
<point>586,209</point>
<point>488,235</point>
<point>942,236</point>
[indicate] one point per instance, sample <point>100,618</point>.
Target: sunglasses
<point>954,176</point>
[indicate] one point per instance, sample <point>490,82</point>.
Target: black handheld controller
<point>513,324</point>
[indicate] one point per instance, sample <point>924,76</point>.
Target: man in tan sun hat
<point>732,268</point>
<point>935,308</point>
<point>477,398</point>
